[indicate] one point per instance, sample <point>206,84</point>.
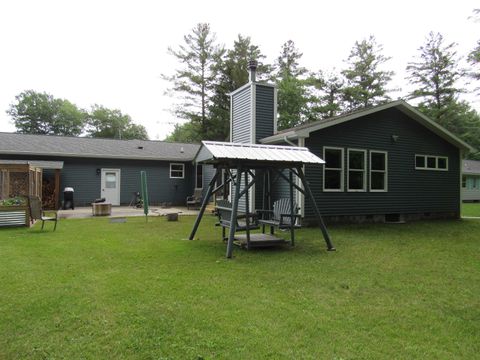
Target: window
<point>177,171</point>
<point>356,170</point>
<point>333,169</point>
<point>464,181</point>
<point>431,162</point>
<point>199,176</point>
<point>378,171</point>
<point>110,180</point>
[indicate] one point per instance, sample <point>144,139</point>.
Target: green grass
<point>95,290</point>
<point>471,209</point>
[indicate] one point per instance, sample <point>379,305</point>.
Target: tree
<point>293,96</point>
<point>474,55</point>
<point>287,64</point>
<point>186,133</point>
<point>233,73</point>
<point>328,97</point>
<point>41,113</point>
<point>194,82</point>
<point>366,83</point>
<point>435,74</point>
<point>107,123</point>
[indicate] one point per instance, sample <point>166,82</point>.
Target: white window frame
<point>183,171</point>
<point>436,168</point>
<point>364,170</point>
<point>342,169</point>
<point>196,176</point>
<point>385,189</point>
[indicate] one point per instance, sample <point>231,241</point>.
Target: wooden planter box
<point>14,216</point>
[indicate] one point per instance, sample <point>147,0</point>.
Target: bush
<point>16,201</point>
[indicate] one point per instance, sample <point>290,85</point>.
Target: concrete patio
<point>126,211</point>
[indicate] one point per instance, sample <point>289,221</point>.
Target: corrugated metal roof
<point>47,145</point>
<point>471,167</point>
<point>35,163</point>
<point>215,152</point>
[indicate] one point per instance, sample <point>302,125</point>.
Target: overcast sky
<point>113,52</point>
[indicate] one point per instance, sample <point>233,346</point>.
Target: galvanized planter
<point>14,216</point>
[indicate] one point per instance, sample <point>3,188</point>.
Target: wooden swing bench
<point>280,217</point>
<point>224,213</point>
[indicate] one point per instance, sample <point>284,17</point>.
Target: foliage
<point>194,82</point>
<point>328,94</point>
<point>107,123</point>
<point>292,102</point>
<point>233,73</point>
<point>139,290</point>
<point>474,55</point>
<point>287,64</point>
<point>293,96</point>
<point>366,84</point>
<point>41,113</point>
<point>186,133</point>
<point>16,201</point>
<point>435,74</point>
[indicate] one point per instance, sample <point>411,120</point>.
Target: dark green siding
<point>264,107</point>
<point>81,174</point>
<point>410,191</point>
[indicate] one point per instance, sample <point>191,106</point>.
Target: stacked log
<point>48,194</point>
<point>18,184</point>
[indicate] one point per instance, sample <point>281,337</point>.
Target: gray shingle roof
<point>23,144</point>
<point>36,163</point>
<point>471,167</point>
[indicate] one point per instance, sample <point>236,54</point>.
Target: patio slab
<point>125,211</point>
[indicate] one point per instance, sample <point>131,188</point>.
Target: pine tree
<point>435,74</point>
<point>233,73</point>
<point>366,83</point>
<point>195,81</point>
<point>293,96</point>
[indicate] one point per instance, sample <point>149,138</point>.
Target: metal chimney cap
<point>252,64</point>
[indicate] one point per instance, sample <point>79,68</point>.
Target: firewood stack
<point>48,195</point>
<point>18,184</point>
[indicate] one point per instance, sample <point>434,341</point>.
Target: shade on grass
<point>93,290</point>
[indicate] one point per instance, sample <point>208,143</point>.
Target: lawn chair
<point>36,212</point>
<point>195,200</point>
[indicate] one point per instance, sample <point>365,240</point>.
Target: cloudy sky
<point>114,52</point>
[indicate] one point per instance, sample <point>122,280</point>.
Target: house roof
<point>214,152</point>
<point>81,147</point>
<point>471,167</point>
<point>304,131</point>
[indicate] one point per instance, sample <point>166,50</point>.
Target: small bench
<point>280,217</point>
<point>224,213</point>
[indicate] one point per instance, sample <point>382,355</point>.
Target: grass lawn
<point>96,290</point>
<point>471,209</point>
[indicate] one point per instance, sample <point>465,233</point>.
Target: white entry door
<point>111,186</point>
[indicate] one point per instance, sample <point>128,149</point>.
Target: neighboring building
<point>111,168</point>
<point>471,181</point>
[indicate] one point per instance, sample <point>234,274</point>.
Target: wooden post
<point>326,237</point>
<point>292,230</point>
<point>233,218</point>
<point>247,207</point>
<point>204,205</point>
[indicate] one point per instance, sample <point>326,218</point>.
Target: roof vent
<point>182,150</point>
<point>252,66</point>
<point>140,147</point>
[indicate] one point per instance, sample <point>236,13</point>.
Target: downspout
<point>289,142</point>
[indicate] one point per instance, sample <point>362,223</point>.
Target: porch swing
<point>249,162</point>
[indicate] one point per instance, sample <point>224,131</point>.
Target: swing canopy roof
<point>254,155</point>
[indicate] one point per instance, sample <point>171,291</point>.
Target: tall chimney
<point>252,66</point>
